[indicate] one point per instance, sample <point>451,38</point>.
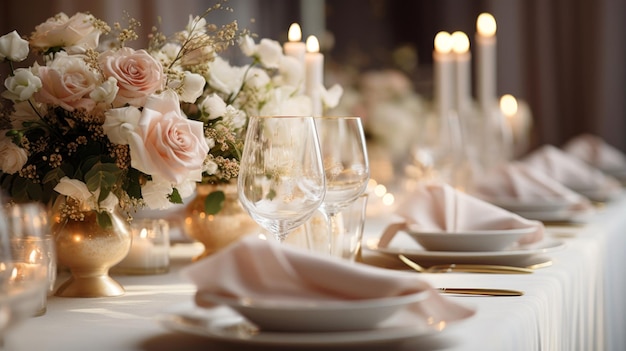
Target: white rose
<point>12,157</point>
<point>106,92</point>
<point>213,106</point>
<point>290,72</point>
<point>282,101</point>
<point>21,85</point>
<point>75,189</point>
<point>234,117</point>
<point>192,87</point>
<point>170,51</point>
<point>269,52</point>
<point>210,167</point>
<point>224,77</point>
<point>331,97</point>
<point>121,123</point>
<point>247,45</point>
<point>155,194</point>
<point>186,189</point>
<point>257,78</point>
<point>13,48</point>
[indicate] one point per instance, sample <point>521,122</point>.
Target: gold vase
<point>217,231</point>
<point>89,250</point>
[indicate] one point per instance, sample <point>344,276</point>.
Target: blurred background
<point>565,58</point>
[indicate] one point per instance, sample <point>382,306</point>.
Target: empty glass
<point>346,167</point>
<point>281,176</point>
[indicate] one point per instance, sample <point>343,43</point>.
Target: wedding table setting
<point>162,198</point>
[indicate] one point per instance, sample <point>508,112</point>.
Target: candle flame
<point>14,273</point>
<point>32,258</point>
<point>460,42</point>
<point>508,105</point>
<point>486,25</point>
<point>143,233</point>
<point>443,42</point>
<point>295,33</point>
<point>312,45</point>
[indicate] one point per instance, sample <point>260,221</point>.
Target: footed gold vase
<point>89,251</point>
<point>219,230</point>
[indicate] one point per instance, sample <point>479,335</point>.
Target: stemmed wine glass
<point>281,178</point>
<point>346,166</point>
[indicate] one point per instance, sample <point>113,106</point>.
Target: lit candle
<point>314,61</point>
<point>518,120</point>
<point>443,74</point>
<point>149,251</point>
<point>460,47</point>
<point>295,47</point>
<point>486,61</point>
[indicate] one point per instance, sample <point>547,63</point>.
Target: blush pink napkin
<point>440,207</point>
<point>570,171</point>
<point>266,270</point>
<point>519,181</point>
<point>596,152</point>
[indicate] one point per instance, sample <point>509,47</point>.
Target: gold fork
<point>473,268</point>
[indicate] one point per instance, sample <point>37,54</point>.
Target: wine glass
<point>346,166</point>
<point>281,176</point>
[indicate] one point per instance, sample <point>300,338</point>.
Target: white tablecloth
<point>576,304</point>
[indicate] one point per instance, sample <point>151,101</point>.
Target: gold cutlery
<point>481,291</point>
<point>473,268</point>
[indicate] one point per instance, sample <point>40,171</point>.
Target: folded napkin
<point>266,270</point>
<point>596,152</point>
<point>570,171</point>
<point>519,181</point>
<point>440,207</point>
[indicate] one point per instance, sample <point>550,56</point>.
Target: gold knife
<point>481,291</point>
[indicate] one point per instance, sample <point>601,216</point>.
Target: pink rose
<point>76,32</point>
<point>137,73</point>
<point>67,82</point>
<point>167,145</point>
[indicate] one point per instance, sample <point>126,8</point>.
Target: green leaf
<point>271,194</point>
<point>102,175</point>
<point>18,190</point>
<point>34,191</point>
<point>214,202</point>
<point>133,185</point>
<point>54,176</point>
<point>175,197</point>
<point>104,219</point>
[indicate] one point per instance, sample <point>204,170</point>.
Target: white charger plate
<point>543,205</point>
<point>484,240</point>
<point>223,324</point>
<point>315,316</point>
<point>517,255</point>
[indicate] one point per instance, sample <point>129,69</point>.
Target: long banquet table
<point>575,304</point>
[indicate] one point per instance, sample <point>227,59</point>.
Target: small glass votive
<point>150,249</point>
<point>346,243</point>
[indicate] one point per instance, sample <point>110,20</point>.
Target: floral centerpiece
<point>107,125</point>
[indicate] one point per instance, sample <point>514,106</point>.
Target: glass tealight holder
<point>150,249</point>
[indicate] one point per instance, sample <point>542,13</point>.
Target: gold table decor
<point>89,250</point>
<point>216,231</point>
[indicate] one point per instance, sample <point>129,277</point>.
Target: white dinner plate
<point>542,205</point>
<point>315,316</point>
<point>485,240</point>
<point>225,325</point>
<point>512,256</point>
<point>567,216</point>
